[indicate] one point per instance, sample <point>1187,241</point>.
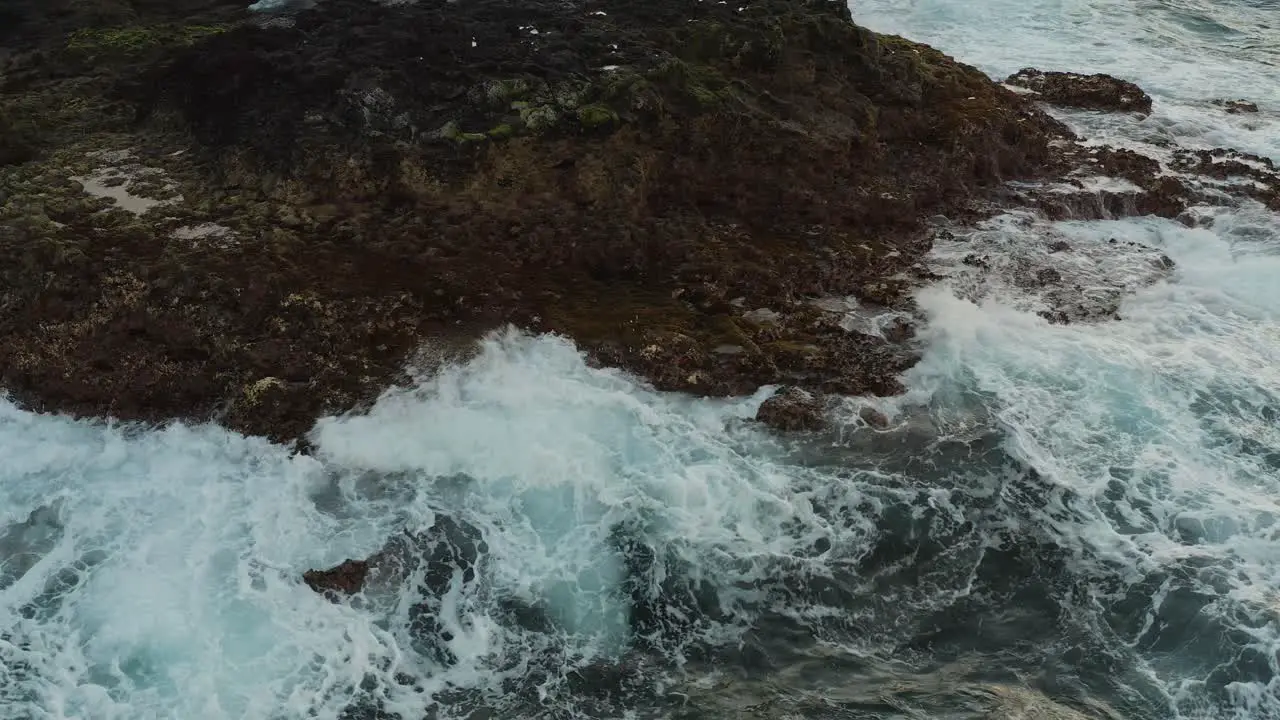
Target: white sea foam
<point>155,573</point>
<point>171,586</point>
<point>1162,427</point>
<point>1185,53</point>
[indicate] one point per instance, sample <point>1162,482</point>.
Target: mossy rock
<point>756,47</point>
<point>133,40</point>
<point>452,131</point>
<point>18,141</point>
<point>539,117</point>
<point>505,131</point>
<point>598,117</point>
<point>703,84</point>
<point>503,92</point>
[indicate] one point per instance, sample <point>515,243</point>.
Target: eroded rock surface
<point>1091,92</point>
<point>1117,182</point>
<point>346,578</point>
<point>792,409</point>
<point>203,215</point>
<point>637,177</point>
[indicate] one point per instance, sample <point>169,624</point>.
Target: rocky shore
<point>263,218</point>
<point>257,218</point>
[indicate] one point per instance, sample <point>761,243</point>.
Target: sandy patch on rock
<point>132,186</point>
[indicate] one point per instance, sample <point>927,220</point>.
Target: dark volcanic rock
<point>1193,176</point>
<point>344,579</point>
<point>792,409</point>
<point>1047,276</point>
<point>1236,107</point>
<point>1247,174</point>
<point>18,144</point>
<point>446,553</point>
<point>1092,92</point>
<point>33,23</point>
<point>620,177</point>
<point>447,547</point>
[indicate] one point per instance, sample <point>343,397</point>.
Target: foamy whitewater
<point>1062,522</point>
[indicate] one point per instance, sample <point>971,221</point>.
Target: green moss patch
<point>597,116</point>
<point>138,39</point>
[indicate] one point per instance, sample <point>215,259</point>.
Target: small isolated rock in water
<point>792,409</point>
<point>1058,246</point>
<point>1235,107</point>
<point>345,579</point>
<point>873,417</point>
<point>1092,92</point>
<point>428,565</point>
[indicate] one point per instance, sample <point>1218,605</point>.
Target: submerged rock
<point>446,548</point>
<point>1236,107</point>
<point>24,544</point>
<point>431,563</point>
<point>1091,92</point>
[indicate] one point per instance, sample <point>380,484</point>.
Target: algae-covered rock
<point>594,117</point>
<point>137,39</point>
<point>18,141</point>
<point>636,176</point>
<point>502,132</point>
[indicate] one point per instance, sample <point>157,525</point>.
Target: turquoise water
<point>1081,520</point>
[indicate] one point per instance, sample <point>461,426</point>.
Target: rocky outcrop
<point>430,562</point>
<point>1243,174</point>
<point>792,409</point>
<point>1117,182</point>
<point>1237,107</point>
<point>18,144</point>
<point>206,215</point>
<point>328,195</point>
<point>346,578</point>
<point>447,547</point>
<point>1091,92</point>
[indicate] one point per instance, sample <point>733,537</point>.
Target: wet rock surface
<point>1237,107</point>
<point>346,578</point>
<point>639,178</point>
<point>1069,277</point>
<point>1238,173</point>
<point>430,561</point>
<point>792,409</point>
<point>447,547</point>
<point>1110,182</point>
<point>206,215</point>
<point>1091,92</point>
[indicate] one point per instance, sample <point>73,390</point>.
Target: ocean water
<point>1062,521</point>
